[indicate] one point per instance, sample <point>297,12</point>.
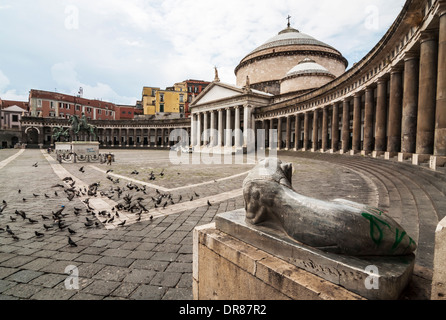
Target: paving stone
<point>166,279</point>
<point>5,272</point>
<point>17,261</point>
<point>140,276</point>
<point>178,294</point>
<point>24,276</point>
<point>116,261</point>
<point>53,295</point>
<point>125,289</point>
<point>48,280</point>
<point>5,285</point>
<point>112,273</point>
<point>23,290</point>
<point>101,287</point>
<point>148,292</point>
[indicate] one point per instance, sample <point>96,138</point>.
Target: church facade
<point>392,103</point>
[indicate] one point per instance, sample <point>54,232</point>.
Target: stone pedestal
<point>404,156</point>
<point>390,155</point>
<point>225,268</point>
<point>376,154</point>
<point>418,159</point>
<point>334,276</point>
<point>78,151</point>
<point>435,162</point>
<point>439,272</point>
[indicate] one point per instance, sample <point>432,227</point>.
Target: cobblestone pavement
<point>149,259</point>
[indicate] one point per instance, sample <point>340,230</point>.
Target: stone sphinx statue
<point>337,226</point>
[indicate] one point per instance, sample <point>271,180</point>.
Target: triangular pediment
<point>217,91</point>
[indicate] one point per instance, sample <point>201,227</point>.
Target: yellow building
<point>159,102</point>
<point>149,100</point>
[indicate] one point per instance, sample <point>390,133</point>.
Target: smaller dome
<point>307,66</point>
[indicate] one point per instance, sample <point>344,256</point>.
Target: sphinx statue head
<point>338,226</point>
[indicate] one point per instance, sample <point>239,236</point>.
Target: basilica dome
<point>305,76</point>
<point>267,65</point>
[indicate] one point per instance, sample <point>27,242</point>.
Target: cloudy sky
<point>113,48</point>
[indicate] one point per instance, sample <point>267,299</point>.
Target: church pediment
<point>216,92</point>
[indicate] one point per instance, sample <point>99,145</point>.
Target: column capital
<point>411,56</point>
<point>396,69</point>
<point>441,8</point>
<point>428,35</point>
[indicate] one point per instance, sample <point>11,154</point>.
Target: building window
<point>153,92</point>
<point>181,98</point>
<point>15,118</point>
<point>99,111</point>
<point>39,103</point>
<point>162,97</point>
<point>52,104</point>
<point>78,107</point>
<point>161,107</point>
<point>181,108</point>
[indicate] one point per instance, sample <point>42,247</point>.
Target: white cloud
<point>65,76</point>
<point>121,46</point>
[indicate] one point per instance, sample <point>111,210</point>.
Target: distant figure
<point>109,159</point>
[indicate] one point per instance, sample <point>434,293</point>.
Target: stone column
<point>440,116</point>
<point>381,116</point>
<point>297,132</point>
<point>127,137</point>
<point>395,111</point>
<point>279,133</point>
<point>306,131</point>
<point>220,128</point>
<point>193,130</point>
<point>247,132</point>
<point>335,128</point>
<point>288,133</point>
<point>198,130</point>
<point>205,128</point>
<point>228,131</point>
<point>410,104</point>
<point>120,137</point>
<point>325,129</point>
<point>427,93</point>
<point>237,127</point>
<point>368,119</point>
<point>271,128</point>
<point>357,100</point>
<point>212,137</point>
<point>315,130</point>
<point>345,125</point>
<point>163,138</point>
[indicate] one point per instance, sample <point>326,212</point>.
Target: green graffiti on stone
<point>375,227</point>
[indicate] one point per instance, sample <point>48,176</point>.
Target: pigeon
<point>35,195</point>
<point>89,224</point>
<point>38,234</point>
<point>47,227</point>
<point>82,170</point>
<point>20,191</point>
<point>71,242</point>
<point>13,219</point>
<point>46,196</point>
<point>15,237</point>
<point>122,223</point>
<point>8,230</point>
<point>196,194</point>
<point>71,231</point>
<point>209,204</point>
<point>33,221</point>
<point>45,217</point>
<point>108,171</point>
<point>36,164</point>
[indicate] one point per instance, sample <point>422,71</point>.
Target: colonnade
<point>402,113</point>
<point>224,127</point>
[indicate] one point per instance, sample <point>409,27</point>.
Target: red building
<point>194,88</point>
<point>57,105</point>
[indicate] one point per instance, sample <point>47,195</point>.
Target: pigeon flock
<point>130,199</point>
